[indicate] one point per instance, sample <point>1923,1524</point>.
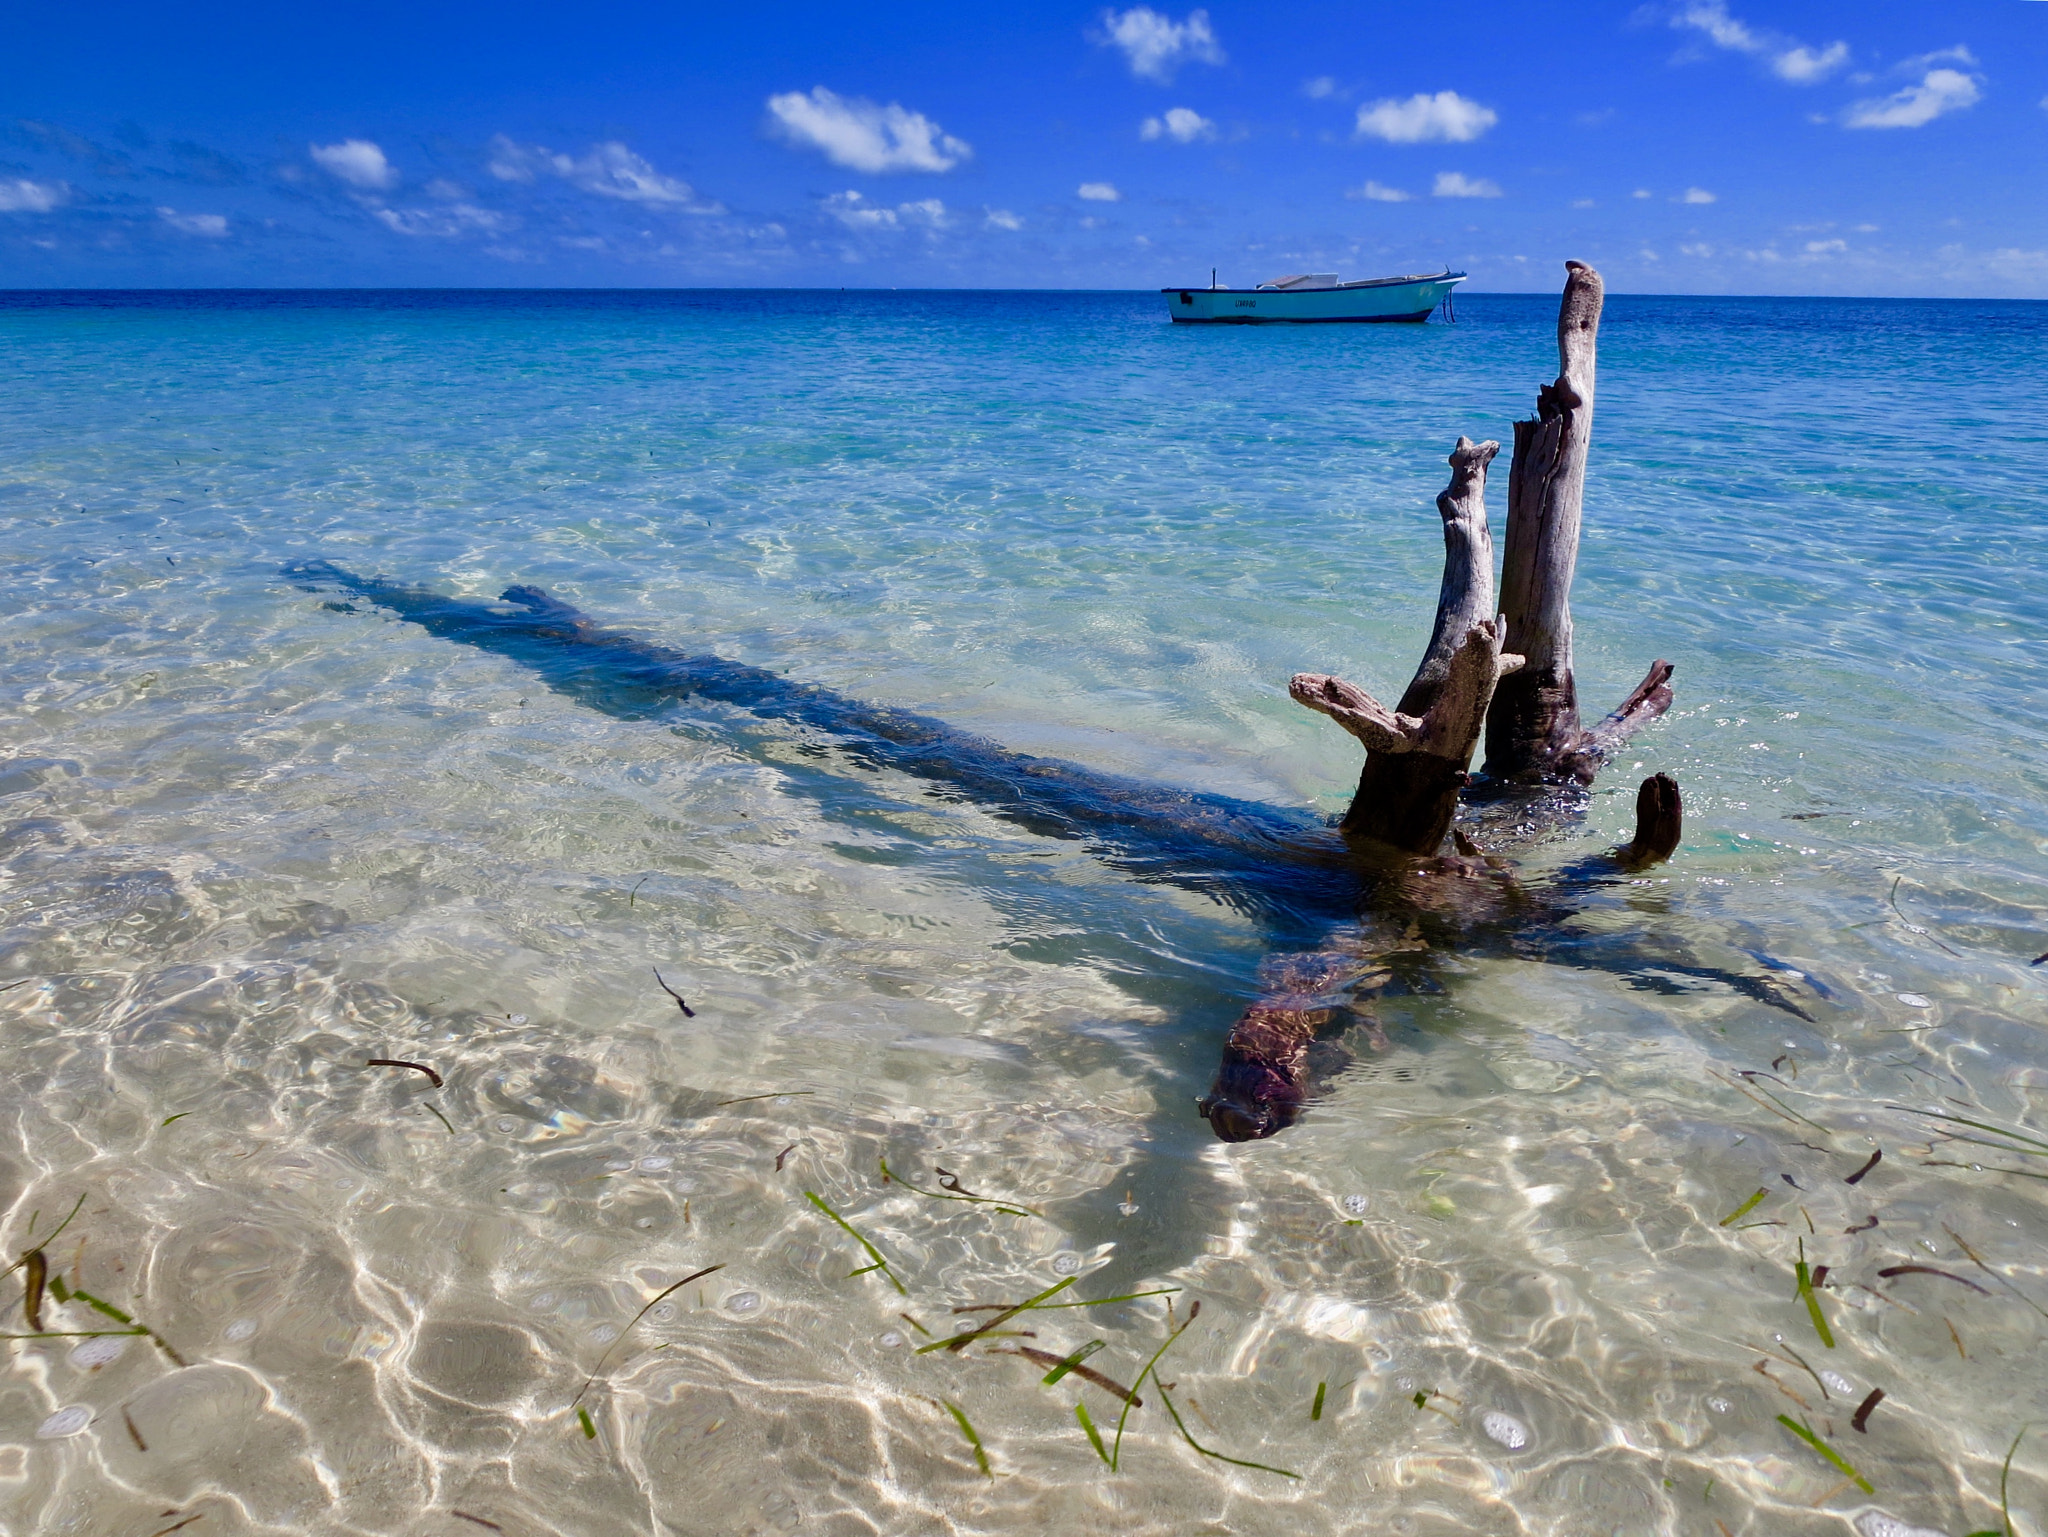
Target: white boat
<point>1313,296</point>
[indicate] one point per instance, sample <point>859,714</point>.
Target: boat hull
<point>1413,302</point>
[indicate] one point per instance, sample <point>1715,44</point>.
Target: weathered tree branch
<point>1537,717</point>
<point>1652,697</point>
<point>1439,745</point>
<point>1417,754</point>
<point>1532,727</point>
<point>1466,596</point>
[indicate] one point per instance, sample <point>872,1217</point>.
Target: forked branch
<point>1451,728</point>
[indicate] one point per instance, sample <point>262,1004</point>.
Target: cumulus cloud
<point>1318,88</point>
<point>1099,192</point>
<point>1694,195</point>
<point>1155,45</point>
<point>1788,58</point>
<point>1826,247</point>
<point>863,136</point>
<point>19,196</point>
<point>1373,192</point>
<point>212,225</point>
<point>858,212</point>
<point>1002,218</point>
<point>1445,117</point>
<point>1940,91</point>
<point>1182,124</point>
<point>608,170</point>
<point>358,162</point>
<point>1457,184</point>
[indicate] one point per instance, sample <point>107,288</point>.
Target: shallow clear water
<point>251,840</point>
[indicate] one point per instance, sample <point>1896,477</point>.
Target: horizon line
<point>481,288</point>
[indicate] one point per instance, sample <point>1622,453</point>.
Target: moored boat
<point>1312,297</point>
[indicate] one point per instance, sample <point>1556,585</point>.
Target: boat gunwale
<point>1446,276</point>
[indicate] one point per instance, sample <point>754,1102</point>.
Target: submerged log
<point>1417,754</point>
<point>1263,1081</point>
<point>1261,859</point>
<point>1532,726</point>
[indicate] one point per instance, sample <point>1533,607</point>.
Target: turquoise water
<point>251,839</point>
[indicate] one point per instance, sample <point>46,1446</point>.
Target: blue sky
<point>1703,146</point>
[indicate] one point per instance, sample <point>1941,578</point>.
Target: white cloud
<point>1713,19</point>
<point>1826,247</point>
<point>608,170</point>
<point>2012,262</point>
<point>211,225</point>
<point>865,137</point>
<point>857,212</point>
<point>1583,202</point>
<point>1640,192</point>
<point>1457,184</point>
<point>1156,45</point>
<point>1788,58</point>
<point>1184,124</point>
<point>1940,91</point>
<point>1695,195</point>
<point>31,196</point>
<point>1801,64</point>
<point>1099,192</point>
<point>1445,117</point>
<point>612,170</point>
<point>1318,88</point>
<point>1373,192</point>
<point>357,162</point>
<point>1002,218</point>
<point>511,162</point>
<point>1959,54</point>
<point>1696,250</point>
<point>442,223</point>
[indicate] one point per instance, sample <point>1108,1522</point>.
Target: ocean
<point>1530,1262</point>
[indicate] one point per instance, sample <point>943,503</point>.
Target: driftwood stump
<point>1508,674</point>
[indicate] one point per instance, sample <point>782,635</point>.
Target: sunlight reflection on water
<point>250,841</point>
